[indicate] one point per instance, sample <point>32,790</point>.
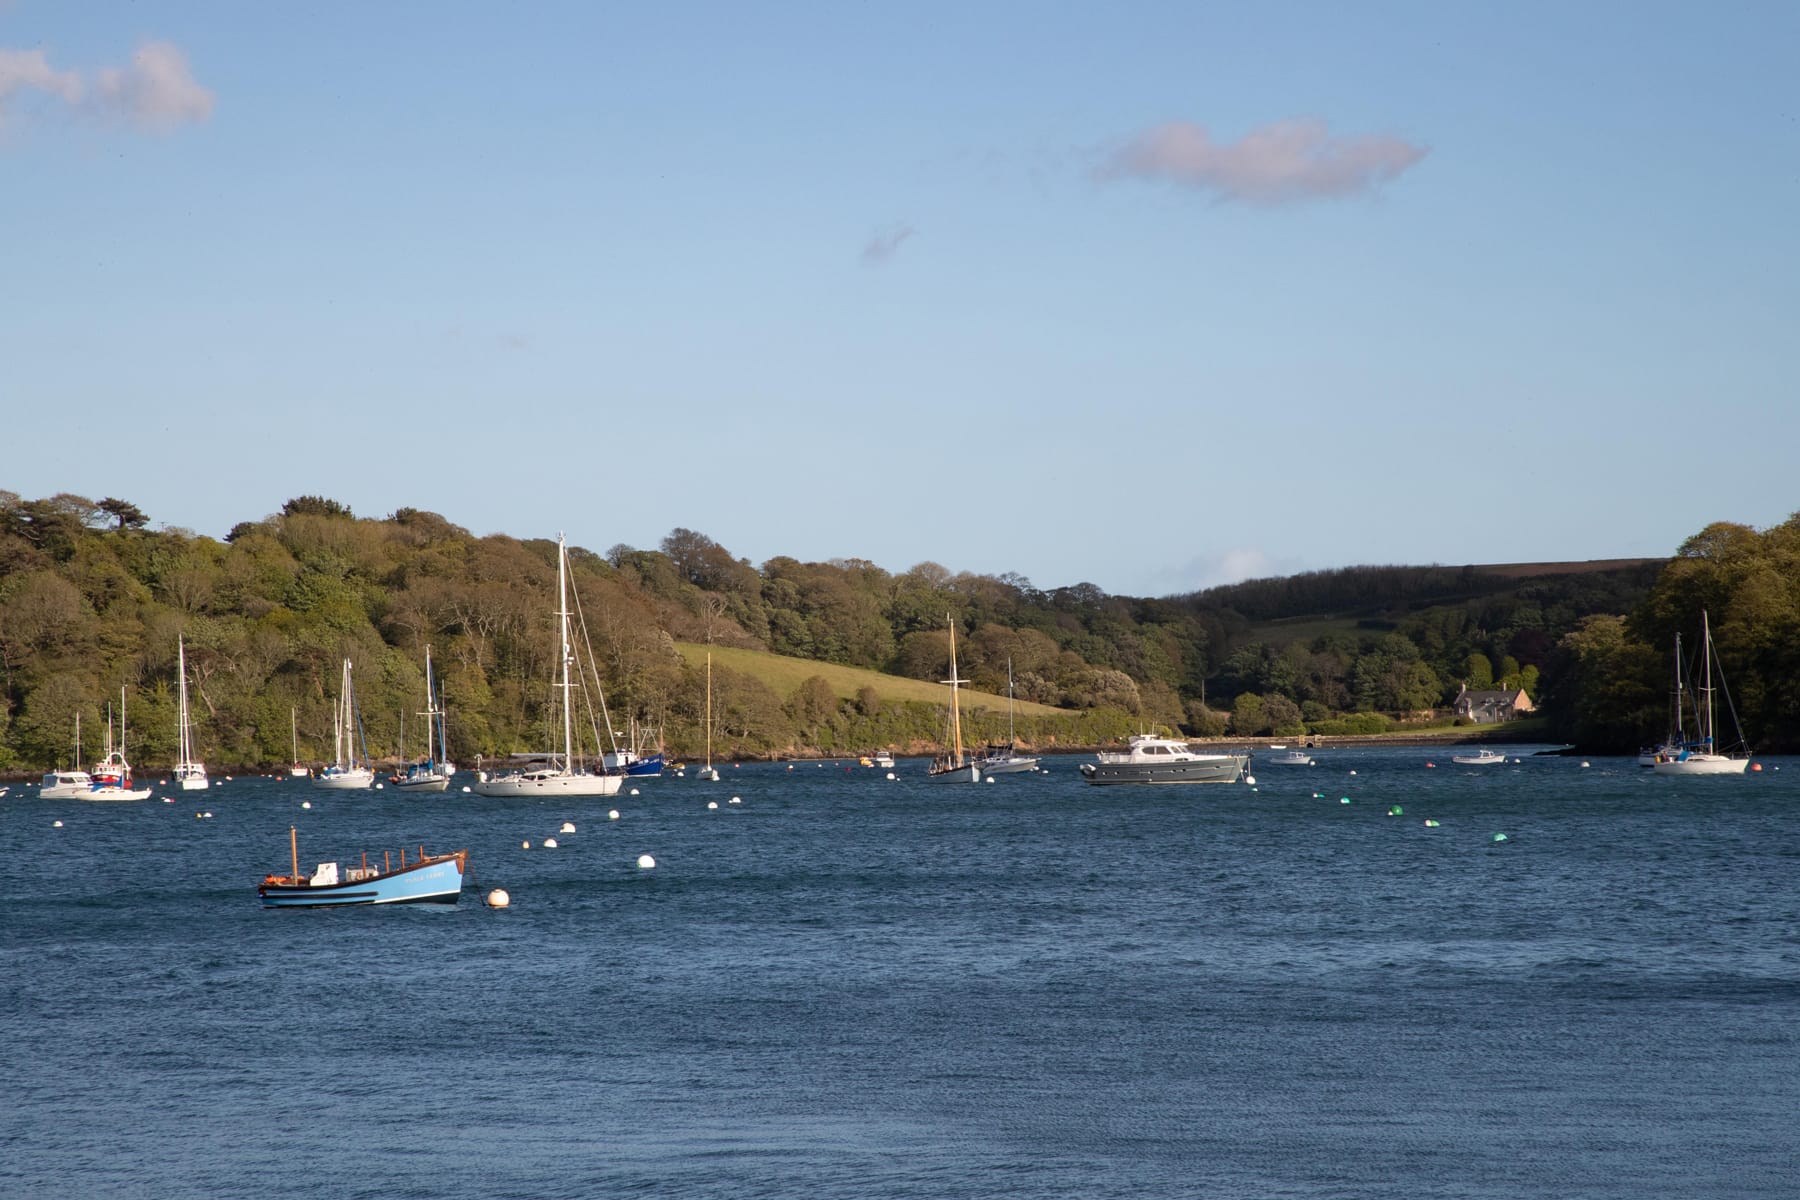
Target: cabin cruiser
<point>1152,759</point>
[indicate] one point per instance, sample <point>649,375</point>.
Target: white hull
<point>1009,766</point>
<point>575,784</point>
<point>423,783</point>
<point>191,777</point>
<point>68,785</point>
<point>1478,760</point>
<point>1702,764</point>
<point>195,783</point>
<point>116,793</point>
<point>710,774</point>
<point>299,772</point>
<point>967,773</point>
<point>351,780</point>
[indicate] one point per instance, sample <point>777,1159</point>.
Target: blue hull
<point>436,882</point>
<point>651,765</point>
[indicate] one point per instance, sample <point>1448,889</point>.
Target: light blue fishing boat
<point>430,879</point>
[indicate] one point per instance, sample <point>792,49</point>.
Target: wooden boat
<point>954,766</point>
<point>429,879</point>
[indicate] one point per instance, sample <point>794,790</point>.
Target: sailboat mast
<point>1009,703</point>
<point>430,711</point>
<point>709,709</point>
<point>955,706</point>
<point>181,693</point>
<point>1705,635</point>
<point>562,615</point>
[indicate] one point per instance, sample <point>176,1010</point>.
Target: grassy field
<point>782,675</point>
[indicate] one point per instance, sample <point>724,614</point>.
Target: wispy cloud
<point>1279,163</point>
<point>22,70</point>
<point>1218,568</point>
<point>155,91</point>
<point>885,244</point>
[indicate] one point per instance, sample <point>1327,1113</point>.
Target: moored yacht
<point>1153,759</point>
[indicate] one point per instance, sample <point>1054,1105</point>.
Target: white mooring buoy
<point>568,827</point>
<point>645,862</point>
<point>498,898</point>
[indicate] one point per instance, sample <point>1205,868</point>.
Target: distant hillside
<point>783,675</point>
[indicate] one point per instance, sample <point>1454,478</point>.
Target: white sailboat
<point>954,767</point>
<point>429,775</point>
<point>296,769</point>
<point>1671,744</point>
<point>556,776</point>
<point>709,772</point>
<point>190,772</point>
<point>112,774</point>
<point>1704,756</point>
<point>346,772</point>
<point>1006,760</point>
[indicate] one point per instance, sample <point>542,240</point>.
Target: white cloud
<point>883,245</point>
<point>155,91</point>
<point>22,69</point>
<point>1278,163</point>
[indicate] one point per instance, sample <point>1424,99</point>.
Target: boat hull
<point>353,779</point>
<point>109,792</point>
<point>1013,765</point>
<point>437,881</point>
<point>967,773</point>
<point>1223,768</point>
<point>574,784</point>
<point>1478,760</point>
<point>1702,764</point>
<point>433,783</point>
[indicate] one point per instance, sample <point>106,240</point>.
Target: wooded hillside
<point>92,600</point>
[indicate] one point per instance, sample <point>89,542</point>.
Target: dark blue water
<point>850,986</point>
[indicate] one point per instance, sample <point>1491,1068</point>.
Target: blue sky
<point>1154,296</point>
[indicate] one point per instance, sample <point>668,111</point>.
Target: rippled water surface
<point>851,986</point>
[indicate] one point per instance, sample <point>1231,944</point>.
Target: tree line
<point>92,600</point>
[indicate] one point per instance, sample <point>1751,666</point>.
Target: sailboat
<point>1006,759</point>
<point>190,773</point>
<point>296,769</point>
<point>1702,756</point>
<point>709,772</point>
<point>1671,744</point>
<point>428,775</point>
<point>954,767</point>
<point>346,772</point>
<point>555,776</point>
<point>112,774</point>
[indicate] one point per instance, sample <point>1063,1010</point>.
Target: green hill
<point>782,674</point>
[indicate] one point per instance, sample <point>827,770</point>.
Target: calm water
<point>850,986</point>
